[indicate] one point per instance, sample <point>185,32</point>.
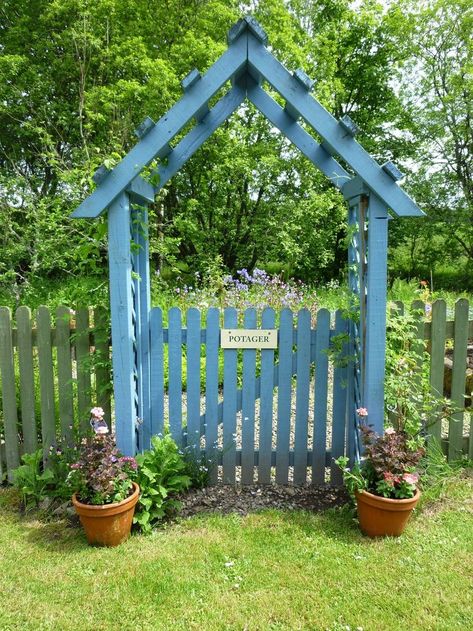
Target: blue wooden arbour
<point>369,189</point>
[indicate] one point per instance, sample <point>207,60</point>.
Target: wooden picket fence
<point>55,366</point>
<point>235,419</point>
<point>52,369</point>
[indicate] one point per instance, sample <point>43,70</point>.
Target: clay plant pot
<point>107,524</point>
<point>380,516</point>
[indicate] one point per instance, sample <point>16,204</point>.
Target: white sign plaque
<point>249,338</point>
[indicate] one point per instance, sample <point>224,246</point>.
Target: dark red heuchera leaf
<point>389,453</point>
<point>101,469</point>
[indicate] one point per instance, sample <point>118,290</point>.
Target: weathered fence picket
<point>40,372</point>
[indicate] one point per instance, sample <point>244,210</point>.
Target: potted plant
<point>106,494</point>
<point>384,483</point>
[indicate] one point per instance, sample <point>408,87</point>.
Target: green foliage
<point>162,473</point>
<point>410,404</point>
<point>93,71</point>
<point>439,475</point>
<point>32,479</point>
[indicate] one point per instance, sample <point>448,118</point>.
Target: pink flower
<point>389,478</point>
<point>389,431</point>
<point>411,478</point>
<point>362,412</point>
<point>75,465</point>
<point>97,413</point>
<point>101,430</point>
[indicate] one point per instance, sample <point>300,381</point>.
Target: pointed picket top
<point>246,63</point>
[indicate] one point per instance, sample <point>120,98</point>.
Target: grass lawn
<point>270,570</point>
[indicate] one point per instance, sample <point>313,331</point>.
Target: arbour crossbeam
<point>370,190</point>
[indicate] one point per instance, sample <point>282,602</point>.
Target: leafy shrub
<point>31,479</point>
<point>410,403</point>
<point>162,473</point>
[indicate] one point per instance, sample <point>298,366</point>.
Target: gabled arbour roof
<point>247,62</point>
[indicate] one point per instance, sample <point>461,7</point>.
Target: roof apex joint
<point>247,23</point>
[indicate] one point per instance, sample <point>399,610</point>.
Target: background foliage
<point>77,77</point>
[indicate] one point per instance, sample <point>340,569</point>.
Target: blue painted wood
<point>375,351</point>
<point>186,148</point>
<point>191,79</point>
<point>247,23</point>
<point>302,396</point>
<point>266,403</point>
<point>211,390</point>
<point>320,400</point>
<point>193,382</point>
<point>230,320</point>
<point>144,296</point>
<point>339,398</point>
<point>137,313</point>
<point>164,130</point>
<point>297,135</point>
<point>141,191</point>
<point>156,371</point>
<point>284,396</point>
<point>144,127</point>
<point>248,405</point>
<point>175,374</point>
<point>121,304</point>
<point>263,62</point>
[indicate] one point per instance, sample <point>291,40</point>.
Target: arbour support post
<point>142,305</point>
<point>122,313</point>
<point>367,254</point>
<point>375,343</point>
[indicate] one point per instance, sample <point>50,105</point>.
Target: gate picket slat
<point>302,396</point>
<point>102,370</point>
<point>46,379</point>
<point>321,393</point>
<point>266,403</point>
<point>64,374</point>
<point>7,371</point>
<point>284,396</point>
<point>211,391</point>
<point>229,402</point>
<point>248,406</point>
<point>193,382</point>
<point>175,374</point>
<point>83,368</point>
<point>27,389</point>
<point>339,403</point>
<point>437,355</point>
<point>455,430</point>
<point>157,371</point>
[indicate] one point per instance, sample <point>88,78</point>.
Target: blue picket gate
<point>257,415</point>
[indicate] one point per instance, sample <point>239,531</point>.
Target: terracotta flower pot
<point>107,524</point>
<point>380,516</point>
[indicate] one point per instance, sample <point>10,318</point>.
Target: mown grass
<point>270,570</point>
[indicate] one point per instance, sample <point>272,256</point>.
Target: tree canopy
<point>77,77</point>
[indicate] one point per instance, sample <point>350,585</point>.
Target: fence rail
<point>55,365</point>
